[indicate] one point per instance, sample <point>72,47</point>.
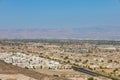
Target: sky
<point>21,14</point>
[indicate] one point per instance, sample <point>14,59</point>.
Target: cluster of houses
<point>31,61</point>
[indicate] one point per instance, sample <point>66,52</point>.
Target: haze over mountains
<point>92,33</point>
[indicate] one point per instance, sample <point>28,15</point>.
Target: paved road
<point>84,71</point>
<point>76,68</point>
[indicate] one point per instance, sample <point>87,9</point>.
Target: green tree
<point>91,78</point>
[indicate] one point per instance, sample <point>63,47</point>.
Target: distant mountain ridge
<point>94,33</point>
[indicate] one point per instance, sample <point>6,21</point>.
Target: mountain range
<point>92,33</point>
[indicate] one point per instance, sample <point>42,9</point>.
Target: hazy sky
<point>59,13</point>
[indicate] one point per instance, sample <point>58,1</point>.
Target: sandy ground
<point>58,72</point>
<point>15,77</point>
<point>10,69</point>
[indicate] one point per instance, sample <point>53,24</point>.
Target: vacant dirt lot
<point>10,69</point>
<point>15,77</point>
